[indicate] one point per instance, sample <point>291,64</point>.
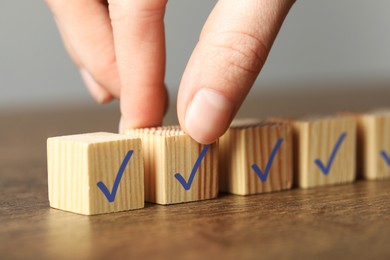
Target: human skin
<point>119,47</point>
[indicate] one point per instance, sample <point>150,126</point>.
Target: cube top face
<point>90,138</point>
<point>327,151</point>
<point>245,123</point>
<point>177,169</point>
<point>256,157</point>
<point>163,131</point>
<point>375,132</point>
<point>87,177</point>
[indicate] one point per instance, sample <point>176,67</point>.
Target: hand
<point>119,46</point>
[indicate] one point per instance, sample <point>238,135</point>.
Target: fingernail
<point>98,92</point>
<point>208,116</point>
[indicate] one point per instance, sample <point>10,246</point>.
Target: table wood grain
<point>344,221</point>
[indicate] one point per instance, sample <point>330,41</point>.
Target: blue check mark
<point>326,169</point>
<point>187,185</point>
<point>386,157</point>
<point>264,175</point>
<point>111,195</point>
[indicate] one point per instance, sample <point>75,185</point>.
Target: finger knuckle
<point>243,54</point>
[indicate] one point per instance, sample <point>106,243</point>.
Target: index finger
<point>138,28</point>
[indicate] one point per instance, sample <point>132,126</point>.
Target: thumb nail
<point>208,116</point>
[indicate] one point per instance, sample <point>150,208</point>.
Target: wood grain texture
<point>332,222</point>
<point>168,151</point>
<point>250,141</point>
<point>374,138</point>
<point>316,138</point>
<point>76,163</point>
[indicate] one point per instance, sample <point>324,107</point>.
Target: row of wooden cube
<point>103,172</point>
<point>312,151</point>
<point>255,156</point>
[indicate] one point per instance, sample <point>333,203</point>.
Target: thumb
<point>232,49</point>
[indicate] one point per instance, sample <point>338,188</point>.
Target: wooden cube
<point>95,173</point>
<point>255,157</point>
<point>374,144</point>
<point>177,168</point>
<point>324,150</point>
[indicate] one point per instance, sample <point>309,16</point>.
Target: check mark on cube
<point>111,195</point>
<point>187,185</point>
<point>386,157</point>
<point>264,175</point>
<point>326,169</point>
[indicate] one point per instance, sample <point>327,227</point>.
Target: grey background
<point>320,41</point>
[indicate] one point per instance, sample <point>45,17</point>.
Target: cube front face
<point>182,154</point>
<point>177,169</point>
<point>327,151</point>
<point>374,140</point>
<point>256,159</point>
<point>76,166</point>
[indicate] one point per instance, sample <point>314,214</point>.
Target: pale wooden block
<point>328,142</point>
<point>374,144</point>
<point>253,141</point>
<point>77,163</point>
<point>168,151</point>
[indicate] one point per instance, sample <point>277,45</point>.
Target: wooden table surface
<point>345,221</point>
